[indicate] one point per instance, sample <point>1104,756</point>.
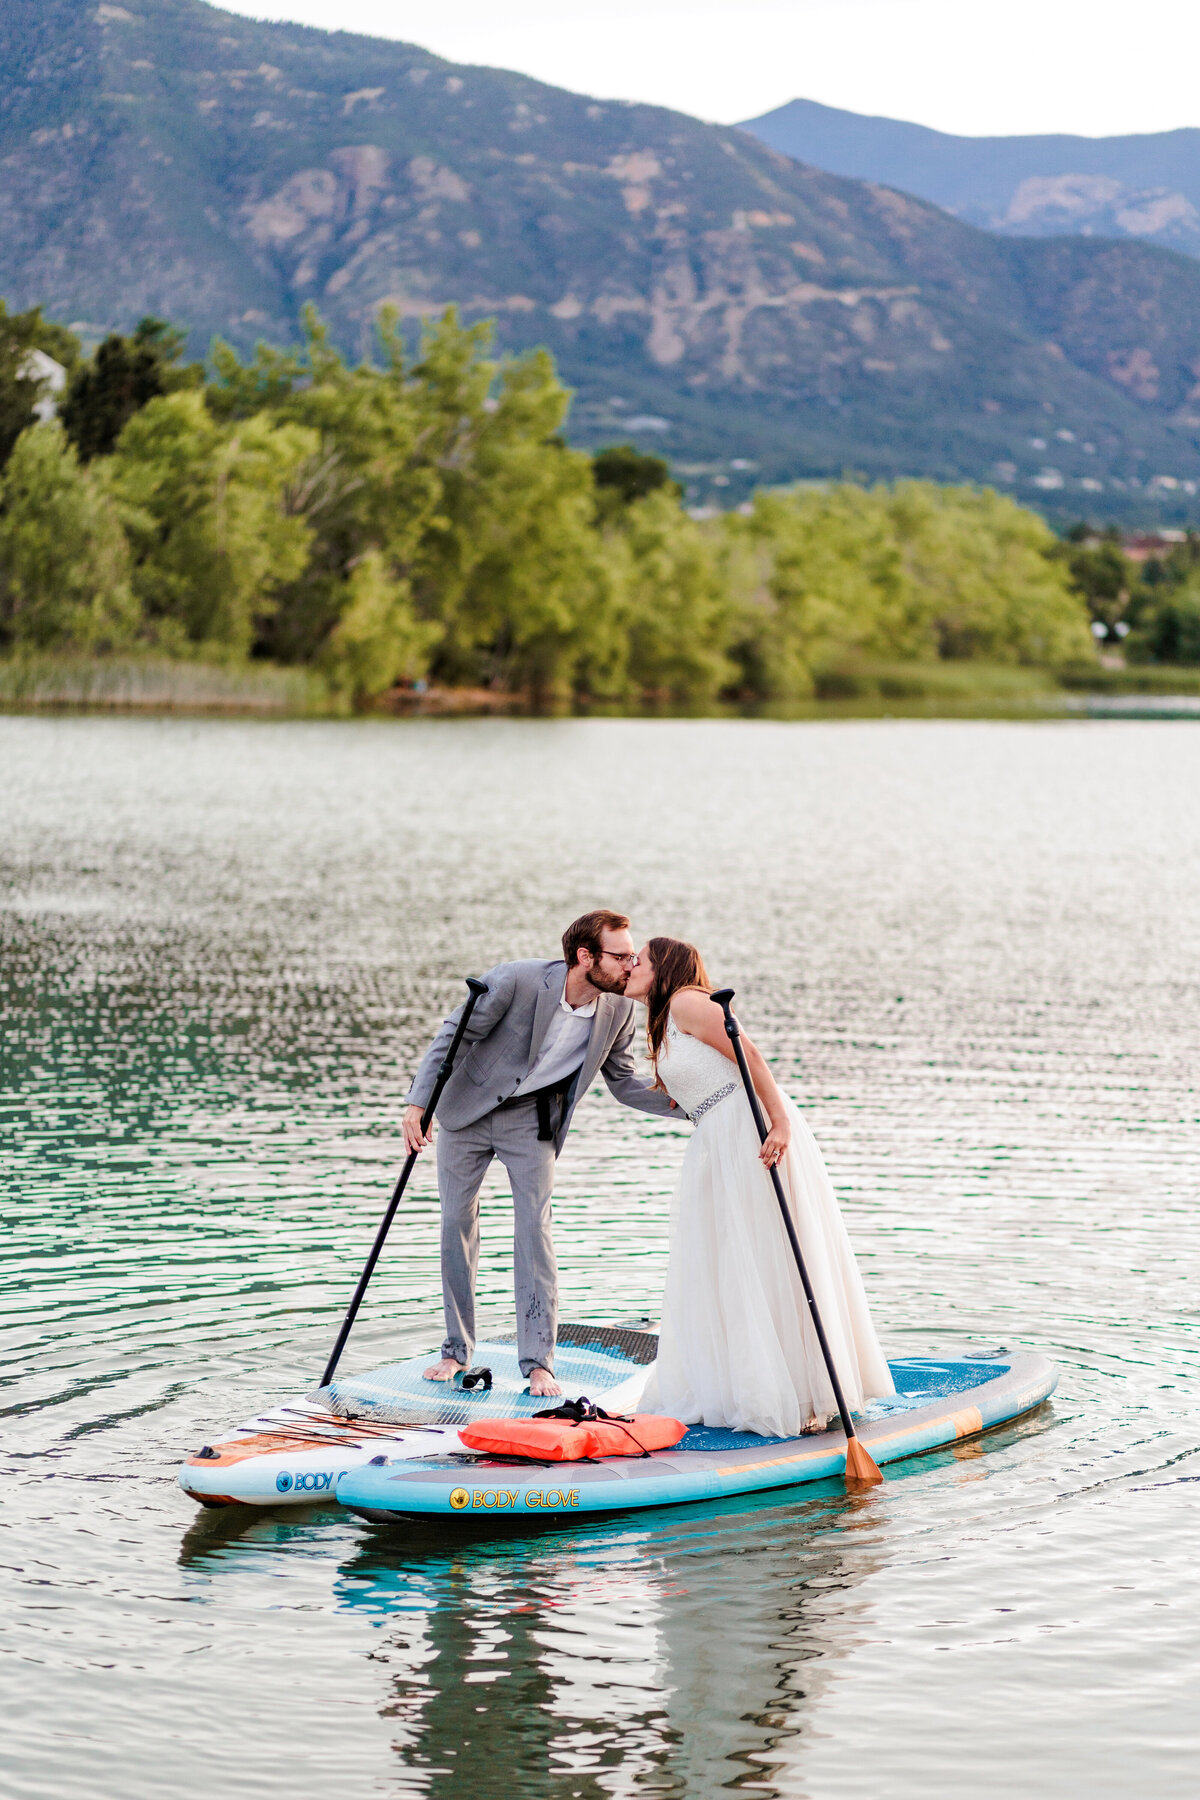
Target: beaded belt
<point>721,1094</point>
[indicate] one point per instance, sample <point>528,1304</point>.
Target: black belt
<point>541,1098</point>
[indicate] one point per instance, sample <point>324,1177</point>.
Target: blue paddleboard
<point>938,1401</point>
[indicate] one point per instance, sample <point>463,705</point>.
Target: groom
<point>537,1040</point>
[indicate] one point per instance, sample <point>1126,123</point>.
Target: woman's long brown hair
<point>676,965</point>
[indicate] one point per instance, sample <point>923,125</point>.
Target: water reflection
<point>217,1534</point>
<point>682,1653</point>
<point>612,1659</point>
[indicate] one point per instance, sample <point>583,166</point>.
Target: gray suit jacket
<point>503,1039</point>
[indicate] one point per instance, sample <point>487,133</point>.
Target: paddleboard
<point>938,1401</point>
<point>385,1442</point>
<point>293,1454</point>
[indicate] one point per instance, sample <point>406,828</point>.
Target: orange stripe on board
<point>968,1422</point>
<point>263,1443</point>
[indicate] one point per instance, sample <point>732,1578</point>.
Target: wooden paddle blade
<point>861,1468</point>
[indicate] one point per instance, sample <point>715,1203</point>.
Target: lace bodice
<point>694,1074</point>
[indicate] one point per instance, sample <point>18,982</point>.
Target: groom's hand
<point>414,1138</point>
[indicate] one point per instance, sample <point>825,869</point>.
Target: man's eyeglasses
<point>629,958</point>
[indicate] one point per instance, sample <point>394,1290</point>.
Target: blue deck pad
<point>920,1379</point>
<point>715,1437</point>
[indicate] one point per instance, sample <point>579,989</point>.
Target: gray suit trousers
<point>509,1133</point>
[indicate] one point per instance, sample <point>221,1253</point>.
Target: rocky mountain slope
<point>1145,186</point>
<point>753,317</point>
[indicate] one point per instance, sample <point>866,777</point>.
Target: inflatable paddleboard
<point>386,1443</point>
<point>938,1400</point>
<point>293,1454</point>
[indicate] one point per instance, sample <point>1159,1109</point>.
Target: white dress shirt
<point>563,1047</point>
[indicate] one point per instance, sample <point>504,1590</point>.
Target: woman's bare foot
<point>542,1384</point>
<point>818,1423</point>
<point>445,1370</point>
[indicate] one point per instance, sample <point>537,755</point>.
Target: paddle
<point>478,989</point>
<point>861,1466</point>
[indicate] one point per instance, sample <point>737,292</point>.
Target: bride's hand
<point>775,1145</point>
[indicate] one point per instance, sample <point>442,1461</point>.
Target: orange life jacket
<point>566,1440</point>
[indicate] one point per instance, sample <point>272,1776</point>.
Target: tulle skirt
<point>736,1346</point>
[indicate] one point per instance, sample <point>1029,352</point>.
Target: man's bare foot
<point>542,1384</point>
<point>445,1370</point>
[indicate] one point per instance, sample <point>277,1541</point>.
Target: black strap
<point>576,1411</point>
<point>583,1410</point>
<point>558,1091</point>
<point>541,1098</point>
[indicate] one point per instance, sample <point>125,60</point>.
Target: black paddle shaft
<point>724,1000</point>
<point>478,989</point>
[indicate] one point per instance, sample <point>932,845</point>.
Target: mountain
<point>755,318</point>
<point>1145,187</point>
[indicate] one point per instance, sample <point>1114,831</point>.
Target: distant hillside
<point>755,319</point>
<point>1141,187</point>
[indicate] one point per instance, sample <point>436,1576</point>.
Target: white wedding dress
<point>736,1346</point>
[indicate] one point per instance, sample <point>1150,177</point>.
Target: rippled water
<point>973,950</point>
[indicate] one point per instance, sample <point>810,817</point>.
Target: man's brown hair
<point>584,933</point>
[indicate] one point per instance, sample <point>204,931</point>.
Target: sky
<point>1096,67</point>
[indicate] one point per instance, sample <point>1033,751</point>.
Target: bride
<point>736,1347</point>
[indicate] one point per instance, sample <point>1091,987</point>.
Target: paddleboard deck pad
<point>385,1443</point>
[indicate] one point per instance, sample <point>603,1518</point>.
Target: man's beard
<point>607,984</point>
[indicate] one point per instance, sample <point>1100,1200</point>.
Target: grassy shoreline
<point>153,685</point>
<point>157,684</point>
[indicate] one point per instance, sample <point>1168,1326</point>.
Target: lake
<point>972,950</point>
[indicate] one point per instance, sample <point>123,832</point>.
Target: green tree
<point>366,494</point>
<point>123,375</point>
<point>376,639</point>
<point>20,388</point>
<point>837,585</point>
<point>1160,605</point>
<point>205,508</point>
<point>446,480</point>
<point>1170,633</point>
<point>986,575</point>
<point>624,474</point>
<point>64,561</point>
<point>679,604</point>
<point>909,572</point>
<point>511,564</point>
<point>1164,608</point>
<point>449,474</point>
<point>1101,574</point>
